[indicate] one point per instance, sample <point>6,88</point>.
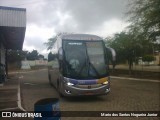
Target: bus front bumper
<point>74,91</point>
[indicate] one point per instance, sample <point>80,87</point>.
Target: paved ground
<point>125,95</point>
<point>8,94</point>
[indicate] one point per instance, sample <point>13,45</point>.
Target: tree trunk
<point>130,66</point>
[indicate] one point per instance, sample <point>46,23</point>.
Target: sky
<point>46,18</point>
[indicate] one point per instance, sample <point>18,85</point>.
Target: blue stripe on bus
<point>83,82</point>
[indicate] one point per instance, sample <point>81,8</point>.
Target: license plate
<point>89,93</point>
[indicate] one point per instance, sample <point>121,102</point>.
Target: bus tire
<point>59,90</point>
<point>49,78</point>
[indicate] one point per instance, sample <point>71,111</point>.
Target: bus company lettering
<point>75,43</point>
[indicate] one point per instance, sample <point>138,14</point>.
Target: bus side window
<point>60,58</point>
<point>60,65</point>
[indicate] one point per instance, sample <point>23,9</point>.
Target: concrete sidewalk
<point>10,100</point>
<point>8,94</point>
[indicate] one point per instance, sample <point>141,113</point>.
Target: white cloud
<point>45,18</point>
<point>28,48</point>
<point>42,32</point>
<point>36,36</point>
<point>110,27</point>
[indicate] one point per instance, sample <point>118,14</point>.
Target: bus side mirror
<point>60,53</point>
<point>113,53</point>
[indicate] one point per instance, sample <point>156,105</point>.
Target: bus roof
<point>80,37</point>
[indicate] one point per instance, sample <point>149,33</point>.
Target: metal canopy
<point>13,37</point>
<point>12,27</point>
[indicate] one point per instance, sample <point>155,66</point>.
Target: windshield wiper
<point>80,71</point>
<point>90,64</point>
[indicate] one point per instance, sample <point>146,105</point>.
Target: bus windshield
<point>84,59</point>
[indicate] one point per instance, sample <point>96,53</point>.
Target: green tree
<point>145,18</point>
<point>33,55</point>
<point>51,41</point>
<point>16,55</point>
<point>51,57</point>
<point>148,58</point>
<point>41,56</point>
<point>126,47</point>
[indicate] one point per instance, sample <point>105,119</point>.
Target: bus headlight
<point>105,83</point>
<point>69,84</point>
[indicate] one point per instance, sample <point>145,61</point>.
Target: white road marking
<point>29,84</point>
<point>19,100</point>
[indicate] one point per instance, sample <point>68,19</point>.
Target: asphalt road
<point>125,95</point>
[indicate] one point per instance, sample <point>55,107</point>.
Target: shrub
<point>148,58</point>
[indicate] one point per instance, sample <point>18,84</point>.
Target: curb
<point>19,97</point>
<point>19,103</point>
<point>136,79</point>
<point>19,106</point>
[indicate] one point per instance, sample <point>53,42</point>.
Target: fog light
<point>68,91</point>
<point>105,83</point>
<point>69,84</point>
<point>107,90</point>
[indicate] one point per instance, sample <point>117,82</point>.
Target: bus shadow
<point>85,98</point>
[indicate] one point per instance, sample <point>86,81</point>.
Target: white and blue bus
<point>81,66</point>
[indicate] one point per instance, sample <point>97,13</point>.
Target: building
<point>12,32</point>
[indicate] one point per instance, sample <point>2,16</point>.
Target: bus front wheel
<point>59,89</point>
